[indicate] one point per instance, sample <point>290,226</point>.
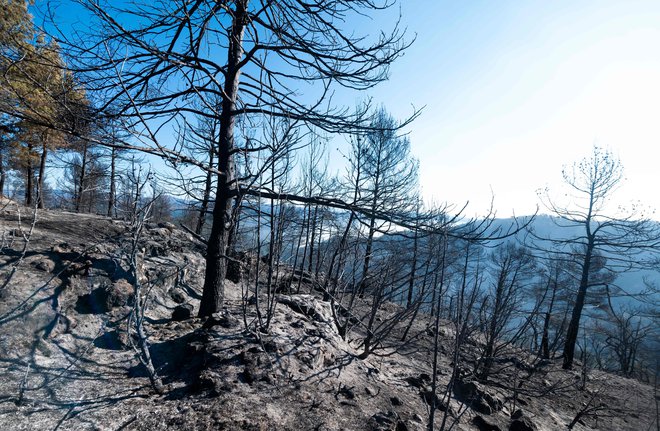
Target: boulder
<point>222,318</point>
<point>167,225</point>
<point>420,381</point>
<point>485,424</point>
<point>61,248</point>
<point>120,293</point>
<point>521,422</point>
<point>476,398</point>
<point>433,399</point>
<point>386,421</point>
<point>45,265</point>
<point>182,312</point>
<point>178,295</point>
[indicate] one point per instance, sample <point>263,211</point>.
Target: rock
<point>178,296</point>
<point>154,249</point>
<point>167,225</point>
<point>370,391</point>
<point>477,399</point>
<point>61,248</point>
<point>308,306</point>
<point>521,422</point>
<point>386,421</point>
<point>114,339</point>
<point>484,424</point>
<point>429,397</point>
<point>420,381</point>
<point>182,312</point>
<point>222,318</point>
<point>120,293</point>
<point>396,401</point>
<point>45,265</point>
<point>347,392</point>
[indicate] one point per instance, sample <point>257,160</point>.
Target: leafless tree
<point>251,55</point>
<point>503,314</point>
<point>388,180</point>
<point>603,232</point>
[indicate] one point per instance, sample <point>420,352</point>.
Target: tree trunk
<point>372,231</point>
<point>113,191</point>
<point>42,174</point>
<point>574,325</point>
<point>367,254</point>
<point>216,264</point>
<point>314,220</point>
<point>413,267</point>
<point>29,173</point>
<point>201,218</point>
<point>3,174</point>
<point>81,179</point>
<point>545,340</point>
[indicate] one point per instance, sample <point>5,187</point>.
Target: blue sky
<point>513,91</point>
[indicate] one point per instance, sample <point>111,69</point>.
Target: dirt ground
<point>67,363</point>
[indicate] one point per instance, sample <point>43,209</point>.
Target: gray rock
<point>167,225</point>
<point>45,265</point>
<point>61,248</point>
<point>420,381</point>
<point>178,296</point>
<point>182,312</point>
<point>476,398</point>
<point>120,293</point>
<point>223,319</point>
<point>521,422</point>
<point>429,397</point>
<point>386,421</point>
<point>485,424</point>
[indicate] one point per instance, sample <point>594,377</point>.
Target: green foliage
<point>39,99</point>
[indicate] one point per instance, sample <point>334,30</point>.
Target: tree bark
<point>545,338</point>
<point>574,324</point>
<point>216,264</point>
<point>29,173</point>
<point>42,174</point>
<point>113,191</point>
<point>3,174</point>
<point>413,268</point>
<point>81,178</point>
<point>201,218</point>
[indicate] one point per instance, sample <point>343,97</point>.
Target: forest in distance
<point>215,118</point>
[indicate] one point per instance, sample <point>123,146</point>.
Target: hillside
<point>67,361</point>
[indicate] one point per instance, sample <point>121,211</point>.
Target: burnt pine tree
<point>388,182</point>
<point>168,59</point>
<point>595,230</point>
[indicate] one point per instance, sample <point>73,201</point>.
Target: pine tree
<point>38,99</point>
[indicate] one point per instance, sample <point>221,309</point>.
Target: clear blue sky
<point>514,90</point>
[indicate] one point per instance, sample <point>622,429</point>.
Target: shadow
<point>152,321</point>
<point>174,360</point>
<point>110,340</point>
<point>94,302</point>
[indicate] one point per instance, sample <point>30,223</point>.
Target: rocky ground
<point>66,361</point>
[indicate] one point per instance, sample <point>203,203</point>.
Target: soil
<point>67,360</point>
